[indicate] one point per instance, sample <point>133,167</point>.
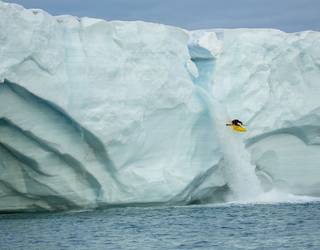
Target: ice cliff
<point>96,113</point>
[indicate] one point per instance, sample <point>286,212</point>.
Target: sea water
<point>230,226</point>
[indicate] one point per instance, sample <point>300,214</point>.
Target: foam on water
<point>276,196</point>
<point>272,197</point>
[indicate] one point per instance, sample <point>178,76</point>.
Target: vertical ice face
<point>270,80</point>
<point>95,113</point>
<point>236,168</point>
<point>268,77</point>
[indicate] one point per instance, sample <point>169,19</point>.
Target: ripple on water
<point>229,226</point>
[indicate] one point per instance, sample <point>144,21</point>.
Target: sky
<point>286,15</point>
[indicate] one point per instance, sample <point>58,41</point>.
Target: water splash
<point>238,169</point>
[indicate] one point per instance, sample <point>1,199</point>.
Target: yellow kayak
<point>238,128</point>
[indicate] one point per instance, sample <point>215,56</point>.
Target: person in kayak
<point>235,123</point>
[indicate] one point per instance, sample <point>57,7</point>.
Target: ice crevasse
<point>96,113</point>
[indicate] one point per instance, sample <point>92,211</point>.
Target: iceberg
<point>98,113</point>
<point>273,85</point>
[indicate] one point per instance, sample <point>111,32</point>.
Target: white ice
<point>96,113</point>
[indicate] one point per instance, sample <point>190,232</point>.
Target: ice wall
<point>270,80</point>
<point>96,113</point>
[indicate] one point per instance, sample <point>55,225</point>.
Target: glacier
<point>97,113</point>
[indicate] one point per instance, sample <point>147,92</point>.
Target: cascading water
<point>237,168</point>
<point>97,113</point>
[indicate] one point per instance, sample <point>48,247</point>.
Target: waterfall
<point>239,173</point>
<point>238,169</point>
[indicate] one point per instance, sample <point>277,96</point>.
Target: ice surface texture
<point>96,113</point>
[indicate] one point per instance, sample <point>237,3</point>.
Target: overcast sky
<point>287,15</point>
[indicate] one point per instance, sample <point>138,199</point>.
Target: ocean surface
<point>231,226</point>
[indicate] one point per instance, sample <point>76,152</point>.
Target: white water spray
<point>238,170</point>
